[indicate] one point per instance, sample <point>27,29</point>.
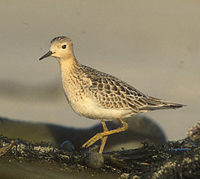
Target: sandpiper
<point>98,95</point>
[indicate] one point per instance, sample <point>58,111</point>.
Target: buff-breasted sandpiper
<point>98,95</point>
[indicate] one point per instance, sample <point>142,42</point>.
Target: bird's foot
<point>93,140</point>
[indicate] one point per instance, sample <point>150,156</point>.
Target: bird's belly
<point>89,108</point>
<point>85,105</point>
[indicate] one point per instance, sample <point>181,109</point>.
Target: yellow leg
<point>104,134</point>
<point>104,139</point>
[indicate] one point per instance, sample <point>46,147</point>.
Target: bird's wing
<point>110,92</point>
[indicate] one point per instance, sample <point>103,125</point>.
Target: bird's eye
<point>64,46</point>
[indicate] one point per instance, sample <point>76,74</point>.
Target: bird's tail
<point>155,104</point>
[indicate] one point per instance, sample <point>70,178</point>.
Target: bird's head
<point>61,48</point>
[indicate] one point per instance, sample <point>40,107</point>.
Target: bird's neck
<point>70,72</point>
<point>69,66</point>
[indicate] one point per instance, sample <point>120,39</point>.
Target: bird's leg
<point>105,133</point>
<point>104,139</point>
